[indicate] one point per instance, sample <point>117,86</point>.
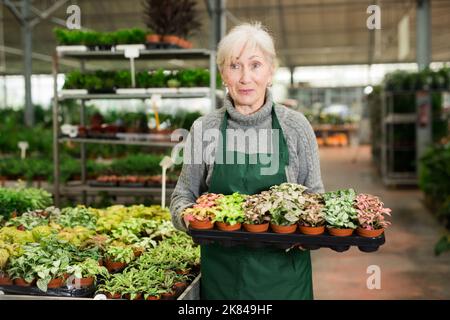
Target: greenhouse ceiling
<point>307,32</point>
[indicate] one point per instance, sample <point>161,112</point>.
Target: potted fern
<point>257,212</point>
<point>371,215</point>
<point>340,214</point>
<point>312,218</point>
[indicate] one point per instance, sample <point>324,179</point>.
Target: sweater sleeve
<point>191,182</point>
<point>313,178</point>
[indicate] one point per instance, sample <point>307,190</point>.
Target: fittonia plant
<point>287,201</point>
<point>313,214</point>
<point>371,212</point>
<point>257,208</point>
<point>229,209</point>
<point>339,209</point>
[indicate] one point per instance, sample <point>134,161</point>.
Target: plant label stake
<point>165,163</point>
<point>131,51</point>
<point>23,146</point>
<point>156,102</point>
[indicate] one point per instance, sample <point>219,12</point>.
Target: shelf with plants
<point>403,126</point>
<point>122,252</point>
<point>286,215</point>
<point>187,83</point>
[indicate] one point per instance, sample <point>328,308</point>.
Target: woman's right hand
<point>187,218</point>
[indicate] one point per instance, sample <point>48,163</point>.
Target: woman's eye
<point>256,65</point>
<point>234,66</point>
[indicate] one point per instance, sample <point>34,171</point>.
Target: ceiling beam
<point>44,14</point>
<point>13,9</point>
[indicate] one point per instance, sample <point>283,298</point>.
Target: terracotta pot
<point>168,296</point>
<point>153,38</point>
<point>153,298</point>
<point>184,271</point>
<point>55,283</point>
<point>22,283</point>
<point>185,44</point>
<point>369,233</point>
<point>179,286</point>
<point>138,296</point>
<point>283,229</point>
<point>113,266</point>
<point>171,39</point>
<point>226,227</point>
<point>86,282</point>
<point>312,230</point>
<point>113,296</point>
<point>256,227</point>
<point>201,225</point>
<point>340,232</point>
<point>6,281</point>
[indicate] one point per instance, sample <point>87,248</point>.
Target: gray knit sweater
<point>303,168</point>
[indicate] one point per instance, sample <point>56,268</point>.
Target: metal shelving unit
<point>82,55</point>
<point>390,148</point>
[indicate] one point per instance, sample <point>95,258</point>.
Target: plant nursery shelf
<point>285,241</point>
<point>77,188</point>
<point>161,144</point>
<point>153,54</point>
<point>148,95</point>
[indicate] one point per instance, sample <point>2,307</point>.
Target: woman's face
<point>247,77</point>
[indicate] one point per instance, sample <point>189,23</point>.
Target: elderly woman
<point>246,59</point>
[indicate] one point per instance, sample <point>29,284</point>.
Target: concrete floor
<point>408,267</point>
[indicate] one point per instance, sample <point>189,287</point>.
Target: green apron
<point>242,273</point>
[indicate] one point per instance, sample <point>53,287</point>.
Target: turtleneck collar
<point>257,117</point>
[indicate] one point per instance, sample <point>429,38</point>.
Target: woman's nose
<point>245,76</point>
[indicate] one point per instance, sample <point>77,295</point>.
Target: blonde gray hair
<point>247,35</point>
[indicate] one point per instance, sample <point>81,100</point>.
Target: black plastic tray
<point>285,241</point>
<point>59,292</point>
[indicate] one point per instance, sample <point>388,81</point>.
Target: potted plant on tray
<point>371,219</point>
<point>287,203</point>
<point>312,217</point>
<point>229,212</point>
<point>200,216</point>
<point>85,273</point>
<point>340,214</point>
<point>256,212</point>
<point>118,257</point>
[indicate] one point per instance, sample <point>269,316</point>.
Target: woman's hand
<point>187,218</point>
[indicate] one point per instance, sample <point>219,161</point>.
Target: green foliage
<point>434,178</point>
<point>21,199</point>
<point>120,254</point>
<point>443,245</point>
<point>95,38</point>
<point>76,217</point>
<point>339,209</point>
<point>229,209</point>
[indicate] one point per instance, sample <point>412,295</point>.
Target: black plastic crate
<point>285,241</point>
